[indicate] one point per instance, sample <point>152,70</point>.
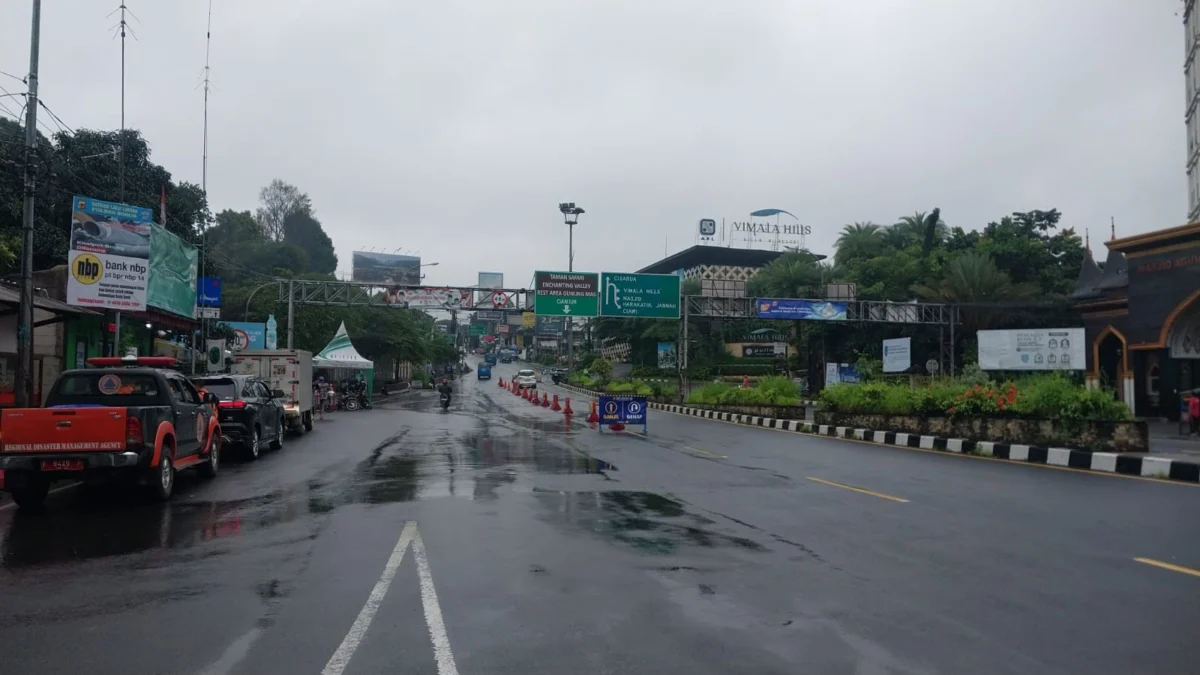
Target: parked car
<point>124,419</point>
<point>526,379</point>
<point>250,413</point>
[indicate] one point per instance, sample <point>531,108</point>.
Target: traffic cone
<point>555,406</point>
<point>533,398</point>
<point>545,400</point>
<point>500,381</point>
<point>515,389</point>
<point>567,408</point>
<point>593,417</point>
<point>617,426</point>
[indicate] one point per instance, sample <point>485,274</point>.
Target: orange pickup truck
<point>124,419</point>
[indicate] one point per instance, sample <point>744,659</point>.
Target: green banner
<point>173,265</point>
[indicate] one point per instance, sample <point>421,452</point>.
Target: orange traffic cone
<point>593,417</point>
<point>545,400</point>
<point>567,408</point>
<point>533,398</point>
<point>500,381</point>
<point>555,406</point>
<point>617,426</point>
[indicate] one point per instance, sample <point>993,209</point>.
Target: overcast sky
<point>454,128</point>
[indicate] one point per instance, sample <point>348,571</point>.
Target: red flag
<point>162,207</point>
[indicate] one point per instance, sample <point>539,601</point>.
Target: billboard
<point>666,356</point>
<point>247,335</point>
<point>551,325</point>
<point>808,310</point>
<point>1032,349</point>
<point>109,255</point>
<point>897,355</point>
<point>426,297</point>
<point>491,280</point>
<point>386,269</point>
<point>173,270</point>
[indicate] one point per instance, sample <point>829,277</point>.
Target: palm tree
<point>860,240</point>
<point>927,228</point>
<point>974,280</point>
<point>791,275</point>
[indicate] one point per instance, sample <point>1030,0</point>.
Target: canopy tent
<point>340,353</point>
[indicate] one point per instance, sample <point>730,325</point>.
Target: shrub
<point>601,369</point>
<point>1051,396</point>
<point>771,391</point>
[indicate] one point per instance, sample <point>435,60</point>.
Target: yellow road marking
<point>706,452</point>
<point>858,489</point>
<point>945,453</point>
<point>1168,566</point>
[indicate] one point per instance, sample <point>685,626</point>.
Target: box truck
<point>287,369</point>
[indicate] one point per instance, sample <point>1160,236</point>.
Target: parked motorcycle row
<point>345,395</point>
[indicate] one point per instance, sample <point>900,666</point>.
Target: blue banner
<point>208,292</point>
<point>622,409</point>
<point>805,310</point>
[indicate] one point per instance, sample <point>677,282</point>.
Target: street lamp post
<point>571,215</point>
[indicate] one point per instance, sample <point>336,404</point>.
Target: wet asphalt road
<point>546,548</point>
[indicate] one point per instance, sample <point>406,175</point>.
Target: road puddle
<point>645,521</point>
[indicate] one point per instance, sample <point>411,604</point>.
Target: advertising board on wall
<point>897,355</point>
<point>109,255</point>
<point>386,269</point>
<point>1032,349</point>
<point>667,359</point>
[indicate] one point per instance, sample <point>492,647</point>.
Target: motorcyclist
<point>445,389</point>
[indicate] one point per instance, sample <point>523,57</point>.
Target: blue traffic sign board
<point>622,409</point>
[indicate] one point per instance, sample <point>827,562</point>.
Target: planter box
<point>1094,436</point>
<point>779,412</point>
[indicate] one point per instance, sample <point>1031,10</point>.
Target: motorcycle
<point>445,402</point>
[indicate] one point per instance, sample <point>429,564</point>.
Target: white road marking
<point>433,612</point>
<point>345,651</point>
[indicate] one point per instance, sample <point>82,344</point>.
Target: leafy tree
<point>304,231</point>
<point>690,287</point>
<point>280,200</point>
<point>1029,249</point>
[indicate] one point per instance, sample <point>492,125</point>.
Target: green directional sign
<point>477,329</point>
<point>654,296</point>
<point>566,293</point>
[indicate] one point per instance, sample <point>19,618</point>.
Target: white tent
<point>340,353</point>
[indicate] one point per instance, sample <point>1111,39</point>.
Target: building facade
<point>1141,311</point>
<point>722,271</point>
<point>1191,75</point>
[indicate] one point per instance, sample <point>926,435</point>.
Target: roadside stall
<point>340,361</point>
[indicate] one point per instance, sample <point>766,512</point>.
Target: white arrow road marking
<point>433,612</point>
<point>337,663</point>
<point>429,602</point>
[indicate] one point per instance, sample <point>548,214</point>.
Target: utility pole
<point>24,393</point>
<point>204,323</point>
<point>122,25</point>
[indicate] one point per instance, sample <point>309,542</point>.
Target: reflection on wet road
<point>501,537</point>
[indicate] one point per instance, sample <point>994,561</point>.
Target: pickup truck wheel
<point>162,484</point>
<point>278,442</point>
<point>252,445</point>
<point>210,467</point>
<point>32,496</point>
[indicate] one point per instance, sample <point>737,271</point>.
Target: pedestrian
<point>1194,411</point>
<point>745,382</point>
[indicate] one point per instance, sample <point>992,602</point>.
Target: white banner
<point>422,297</point>
<point>109,255</point>
<point>897,355</point>
<point>1034,349</point>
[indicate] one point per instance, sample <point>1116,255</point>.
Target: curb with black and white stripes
<point>1107,462</point>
